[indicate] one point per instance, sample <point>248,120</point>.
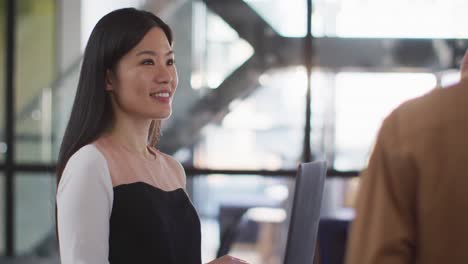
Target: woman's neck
<point>131,134</point>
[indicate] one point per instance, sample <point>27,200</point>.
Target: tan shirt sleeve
<point>384,228</point>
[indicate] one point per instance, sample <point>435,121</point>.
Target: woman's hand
<point>227,260</point>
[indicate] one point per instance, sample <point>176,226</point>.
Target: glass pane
<point>2,214</point>
<point>363,18</point>
<point>222,199</point>
<point>338,198</point>
<point>262,131</point>
<point>2,82</point>
<point>322,115</point>
<point>362,102</point>
<point>35,214</point>
<point>218,49</point>
<point>35,72</point>
<point>63,96</point>
<point>288,18</point>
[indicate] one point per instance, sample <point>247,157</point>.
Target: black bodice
<point>149,225</point>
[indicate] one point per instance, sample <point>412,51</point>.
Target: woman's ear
<point>110,81</point>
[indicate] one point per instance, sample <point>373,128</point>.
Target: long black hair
<point>113,36</point>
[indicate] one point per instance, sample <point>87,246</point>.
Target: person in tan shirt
<point>412,204</point>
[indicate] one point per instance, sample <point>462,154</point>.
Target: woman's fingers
<point>228,260</point>
<point>236,260</point>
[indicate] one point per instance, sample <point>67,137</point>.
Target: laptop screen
<point>305,214</point>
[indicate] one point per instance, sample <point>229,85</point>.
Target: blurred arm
<point>384,228</point>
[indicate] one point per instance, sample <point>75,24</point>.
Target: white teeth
<point>161,94</point>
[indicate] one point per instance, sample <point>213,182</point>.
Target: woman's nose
<point>163,74</point>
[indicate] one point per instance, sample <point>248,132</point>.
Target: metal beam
<point>10,127</point>
<point>245,21</point>
<point>192,171</point>
<point>308,53</point>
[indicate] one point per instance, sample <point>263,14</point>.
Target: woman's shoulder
<point>85,178</point>
<point>169,159</point>
<point>174,165</point>
<point>167,156</point>
<point>88,155</point>
<point>86,165</point>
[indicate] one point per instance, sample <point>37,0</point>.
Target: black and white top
<point>116,208</point>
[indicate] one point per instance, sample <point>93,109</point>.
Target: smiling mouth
<point>165,95</point>
<point>162,97</point>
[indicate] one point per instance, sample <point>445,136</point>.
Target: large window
<point>240,123</point>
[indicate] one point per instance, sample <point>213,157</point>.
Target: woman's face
<point>145,78</point>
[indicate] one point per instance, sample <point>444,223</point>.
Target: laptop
<point>305,213</point>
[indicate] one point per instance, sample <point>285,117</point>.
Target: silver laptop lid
<point>305,213</point>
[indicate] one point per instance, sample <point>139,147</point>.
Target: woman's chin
<point>161,116</point>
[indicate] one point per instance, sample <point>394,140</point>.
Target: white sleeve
<point>84,205</point>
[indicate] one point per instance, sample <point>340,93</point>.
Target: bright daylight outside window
<point>390,19</point>
<point>292,12</point>
<point>363,100</point>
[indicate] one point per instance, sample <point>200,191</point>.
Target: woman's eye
<point>147,62</point>
<point>171,62</point>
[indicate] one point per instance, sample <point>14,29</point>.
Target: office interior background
<point>263,86</point>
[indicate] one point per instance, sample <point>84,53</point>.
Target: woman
<point>119,199</point>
